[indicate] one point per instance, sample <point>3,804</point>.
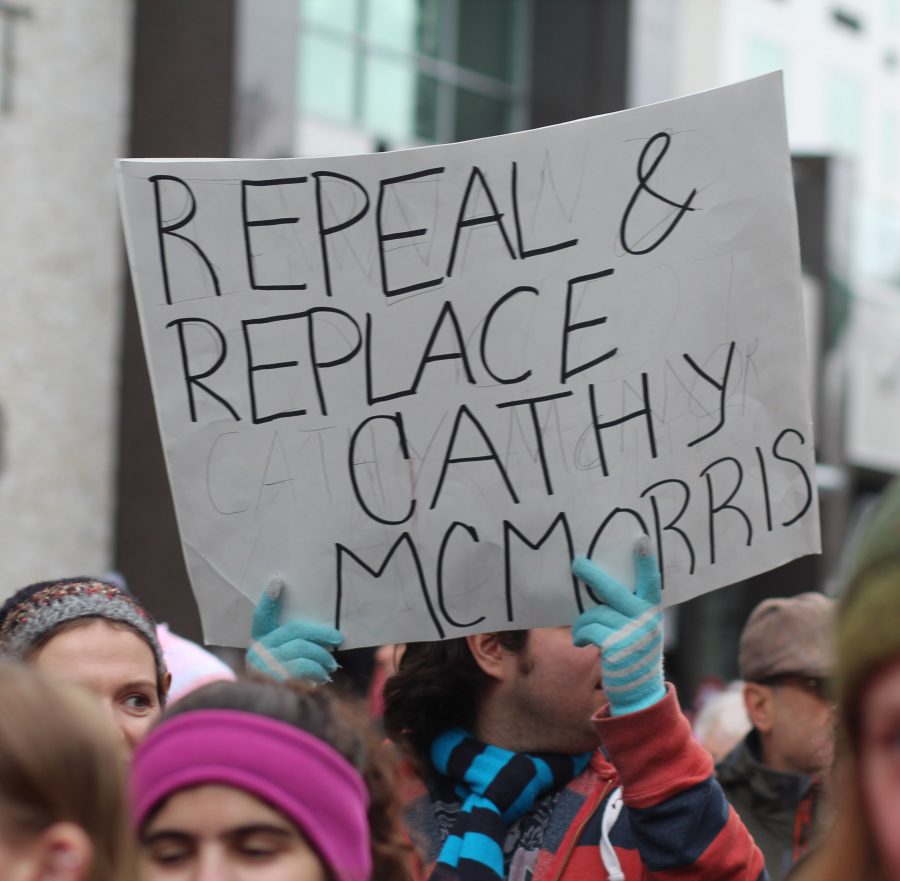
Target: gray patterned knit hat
<point>32,614</point>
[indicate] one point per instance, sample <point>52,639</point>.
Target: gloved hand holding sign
<point>628,629</point>
<point>295,650</point>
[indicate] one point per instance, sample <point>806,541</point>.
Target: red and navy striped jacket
<point>649,809</point>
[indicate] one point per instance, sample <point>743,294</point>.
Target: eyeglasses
<point>814,685</point>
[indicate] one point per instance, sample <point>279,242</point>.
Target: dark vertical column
<point>824,188</point>
<point>182,106</point>
<point>580,59</point>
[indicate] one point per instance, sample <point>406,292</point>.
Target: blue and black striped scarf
<point>496,787</point>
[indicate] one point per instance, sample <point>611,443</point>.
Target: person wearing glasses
<point>773,777</point>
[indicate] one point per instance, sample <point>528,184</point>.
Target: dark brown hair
<point>437,686</point>
<point>341,724</point>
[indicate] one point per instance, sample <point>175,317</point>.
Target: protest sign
<point>412,385</point>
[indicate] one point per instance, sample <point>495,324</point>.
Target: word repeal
<point>310,196</point>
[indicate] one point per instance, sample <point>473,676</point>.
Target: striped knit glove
<point>296,650</point>
<point>628,629</point>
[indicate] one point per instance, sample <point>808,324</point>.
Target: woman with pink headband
<point>263,781</point>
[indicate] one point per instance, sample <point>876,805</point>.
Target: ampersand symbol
<point>644,186</point>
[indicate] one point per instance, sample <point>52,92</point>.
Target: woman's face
<point>219,833</point>
<point>114,663</point>
<point>879,763</point>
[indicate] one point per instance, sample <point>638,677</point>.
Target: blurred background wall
<point>64,104</point>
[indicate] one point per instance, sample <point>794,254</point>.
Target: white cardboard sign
<point>414,384</point>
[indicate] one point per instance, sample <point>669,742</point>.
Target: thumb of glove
<point>267,614</point>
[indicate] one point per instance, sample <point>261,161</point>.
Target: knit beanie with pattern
<point>33,614</point>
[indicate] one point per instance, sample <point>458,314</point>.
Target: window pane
<point>763,56</point>
<point>401,103</point>
<point>426,108</point>
<point>478,116</point>
<point>405,25</point>
<point>390,90</point>
<point>890,147</point>
<point>340,14</point>
<point>846,115</point>
<point>485,37</point>
<point>326,77</point>
<point>428,30</point>
<point>892,13</point>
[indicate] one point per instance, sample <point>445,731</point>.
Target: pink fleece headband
<point>293,771</point>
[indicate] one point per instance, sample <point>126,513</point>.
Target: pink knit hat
<point>296,773</point>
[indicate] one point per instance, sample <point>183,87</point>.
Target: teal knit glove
<point>296,650</point>
<point>628,629</point>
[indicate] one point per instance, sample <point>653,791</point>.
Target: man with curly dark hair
<point>558,754</point>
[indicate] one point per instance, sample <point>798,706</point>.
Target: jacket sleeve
<point>675,813</point>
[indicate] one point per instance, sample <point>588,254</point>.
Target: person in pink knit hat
<point>191,665</point>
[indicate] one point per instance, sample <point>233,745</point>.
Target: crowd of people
<point>552,754</point>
